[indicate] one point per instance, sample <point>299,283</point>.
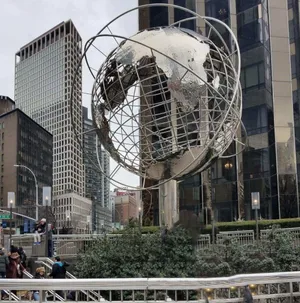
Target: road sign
<point>4,216</point>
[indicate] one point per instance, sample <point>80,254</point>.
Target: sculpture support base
<point>168,204</point>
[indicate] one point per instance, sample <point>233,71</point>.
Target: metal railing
<point>91,295</point>
<point>51,292</point>
<point>242,236</point>
<point>203,241</point>
<point>294,232</point>
<point>277,287</point>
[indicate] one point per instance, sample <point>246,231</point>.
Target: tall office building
<point>44,73</point>
<point>96,184</point>
<point>268,33</point>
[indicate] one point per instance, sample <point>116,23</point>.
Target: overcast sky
<point>23,20</point>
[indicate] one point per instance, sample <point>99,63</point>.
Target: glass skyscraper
<point>44,73</point>
<point>96,184</point>
<point>268,34</point>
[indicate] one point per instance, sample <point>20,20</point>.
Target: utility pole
<point>47,203</point>
<point>11,203</point>
<point>47,232</point>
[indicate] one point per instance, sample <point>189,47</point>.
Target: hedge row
<point>144,229</point>
<point>233,226</point>
<point>250,225</point>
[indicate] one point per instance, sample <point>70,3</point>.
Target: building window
<point>242,5</point>
<point>294,66</point>
<point>218,9</point>
<point>249,34</point>
<point>196,193</point>
<point>255,119</point>
<point>159,15</point>
<point>292,31</point>
<point>256,163</point>
<point>181,15</point>
<point>253,76</point>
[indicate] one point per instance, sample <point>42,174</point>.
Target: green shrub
<point>250,225</point>
<point>144,230</point>
<point>132,255</point>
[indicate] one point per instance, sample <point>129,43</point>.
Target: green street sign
<point>4,216</point>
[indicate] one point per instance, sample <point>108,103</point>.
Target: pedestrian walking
<point>14,268</point>
<point>248,298</point>
<point>59,269</point>
<point>3,264</point>
<point>59,272</point>
<point>39,274</point>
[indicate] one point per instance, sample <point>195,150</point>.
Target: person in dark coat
<point>59,272</point>
<point>248,298</point>
<point>14,269</point>
<point>3,264</point>
<point>59,269</point>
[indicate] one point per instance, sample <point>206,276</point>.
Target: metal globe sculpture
<point>166,102</point>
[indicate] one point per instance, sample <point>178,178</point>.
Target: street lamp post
<point>89,223</point>
<point>68,218</point>
<point>47,222</point>
<point>11,203</point>
<point>255,199</point>
<point>47,203</point>
<point>102,227</point>
<point>36,190</point>
<point>140,218</point>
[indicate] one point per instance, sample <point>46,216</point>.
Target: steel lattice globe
<point>166,102</point>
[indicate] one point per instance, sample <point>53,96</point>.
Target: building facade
<point>268,34</point>
<point>6,104</point>
<point>45,69</point>
<point>26,143</point>
<point>126,206</point>
<point>112,204</point>
<point>96,183</point>
<point>72,213</point>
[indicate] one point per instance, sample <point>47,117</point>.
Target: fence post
<point>41,296</point>
<point>291,292</point>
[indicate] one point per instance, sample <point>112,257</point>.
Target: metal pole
<point>17,214</point>
<point>256,221</point>
<point>140,221</point>
<point>10,226</point>
<point>213,228</point>
<point>36,200</point>
<point>47,236</point>
<point>36,190</point>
